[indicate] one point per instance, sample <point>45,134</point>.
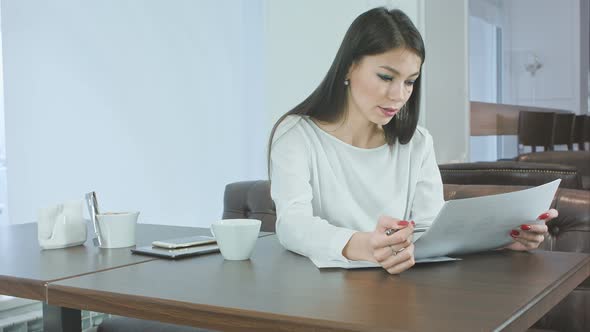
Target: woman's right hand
<point>394,252</point>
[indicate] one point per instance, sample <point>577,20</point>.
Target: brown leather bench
<point>578,159</point>
<point>511,173</point>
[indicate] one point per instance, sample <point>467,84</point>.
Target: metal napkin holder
<point>92,204</point>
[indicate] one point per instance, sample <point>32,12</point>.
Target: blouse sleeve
<point>297,228</point>
<point>428,197</point>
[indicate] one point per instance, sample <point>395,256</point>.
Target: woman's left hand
<point>528,237</point>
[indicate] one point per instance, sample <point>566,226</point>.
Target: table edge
<point>23,287</point>
<point>526,316</point>
<point>192,314</point>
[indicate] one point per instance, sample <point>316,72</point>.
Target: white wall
<point>551,30</point>
<point>483,70</point>
<point>150,103</point>
<point>157,105</point>
<point>447,78</point>
<point>2,127</point>
<point>584,56</point>
<point>3,207</point>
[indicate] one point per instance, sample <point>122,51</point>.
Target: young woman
<point>349,165</point>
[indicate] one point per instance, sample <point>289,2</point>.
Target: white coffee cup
<point>236,238</point>
<point>117,229</point>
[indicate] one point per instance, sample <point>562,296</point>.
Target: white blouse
<point>325,190</point>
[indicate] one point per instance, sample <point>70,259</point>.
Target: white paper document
<point>483,223</point>
<point>472,225</point>
<point>364,264</point>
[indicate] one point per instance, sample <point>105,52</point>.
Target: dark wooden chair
<point>584,135</point>
<point>579,131</point>
<point>564,130</point>
<point>536,129</point>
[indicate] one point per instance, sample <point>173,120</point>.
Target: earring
<point>346,81</point>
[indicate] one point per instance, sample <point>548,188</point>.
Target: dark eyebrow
<point>397,72</point>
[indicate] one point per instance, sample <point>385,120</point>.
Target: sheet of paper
<point>483,223</point>
<point>364,264</point>
<point>472,225</point>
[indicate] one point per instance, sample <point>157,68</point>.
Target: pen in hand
<point>390,231</point>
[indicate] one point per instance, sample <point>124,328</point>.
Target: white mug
<point>117,229</point>
<point>236,238</point>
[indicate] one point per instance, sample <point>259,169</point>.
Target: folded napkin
<point>61,225</point>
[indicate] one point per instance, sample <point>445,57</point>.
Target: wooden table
<point>26,269</point>
<point>279,290</point>
<point>499,119</point>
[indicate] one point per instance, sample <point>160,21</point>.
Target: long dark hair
<point>373,32</point>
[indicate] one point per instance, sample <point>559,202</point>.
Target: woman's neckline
<point>324,132</point>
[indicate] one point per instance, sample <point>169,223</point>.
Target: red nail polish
<point>402,223</point>
<point>525,227</point>
<point>514,233</point>
<point>544,216</point>
<point>413,223</point>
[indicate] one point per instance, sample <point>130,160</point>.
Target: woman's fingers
<point>392,244</point>
<point>529,239</point>
<point>383,253</point>
<point>400,261</point>
<point>538,229</point>
<point>401,267</point>
<point>546,216</point>
<point>397,257</point>
<point>386,222</point>
<point>527,244</point>
<point>530,236</point>
<point>389,225</point>
<point>401,234</point>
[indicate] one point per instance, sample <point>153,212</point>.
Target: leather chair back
<point>250,200</point>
